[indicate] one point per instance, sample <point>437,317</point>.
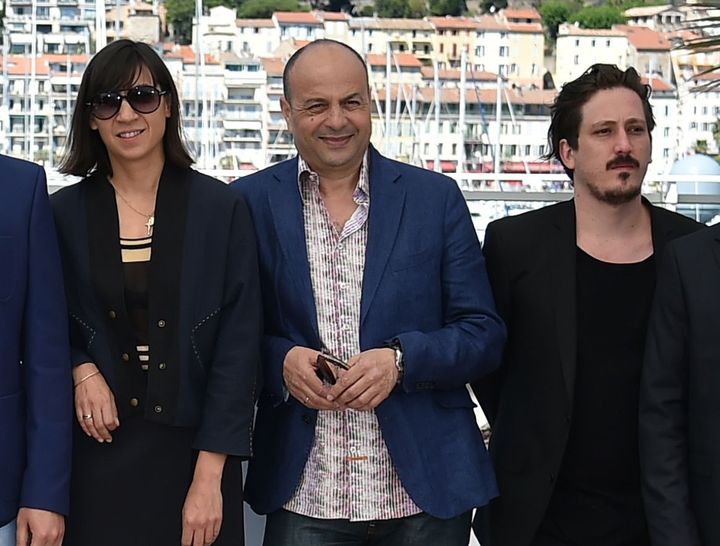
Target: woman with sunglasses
<point>162,283</point>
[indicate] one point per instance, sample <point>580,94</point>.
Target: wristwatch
<point>399,362</point>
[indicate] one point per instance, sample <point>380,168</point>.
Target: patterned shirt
<point>348,474</point>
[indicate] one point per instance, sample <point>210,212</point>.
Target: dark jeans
<point>285,528</point>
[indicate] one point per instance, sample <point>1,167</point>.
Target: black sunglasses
<point>323,367</point>
<point>144,99</point>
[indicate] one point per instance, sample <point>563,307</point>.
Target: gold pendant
<point>149,224</point>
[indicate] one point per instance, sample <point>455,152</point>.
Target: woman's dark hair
<point>116,67</point>
<point>567,108</point>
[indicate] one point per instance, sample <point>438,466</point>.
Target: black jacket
<point>531,260</point>
<point>204,304</point>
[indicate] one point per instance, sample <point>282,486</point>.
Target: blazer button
<point>134,402</point>
<point>306,419</point>
<point>162,365</point>
<point>112,314</point>
<point>158,409</point>
<point>125,357</point>
<point>161,323</point>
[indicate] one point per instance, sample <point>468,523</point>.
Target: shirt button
<point>341,246</point>
<point>161,323</point>
<point>162,365</point>
<point>112,314</point>
<point>158,409</point>
<point>134,402</point>
<point>125,357</point>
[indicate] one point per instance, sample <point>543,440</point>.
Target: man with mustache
<point>377,262</point>
<point>574,283</point>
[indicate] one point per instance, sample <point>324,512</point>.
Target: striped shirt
<point>348,474</point>
<point>136,254</point>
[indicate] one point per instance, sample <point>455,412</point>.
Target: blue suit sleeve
<point>46,366</point>
<point>470,343</point>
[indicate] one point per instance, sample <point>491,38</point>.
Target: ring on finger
<point>307,399</point>
<point>88,417</point>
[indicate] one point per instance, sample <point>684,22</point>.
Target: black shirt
<point>597,497</point>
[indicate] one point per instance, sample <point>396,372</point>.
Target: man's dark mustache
<point>622,160</point>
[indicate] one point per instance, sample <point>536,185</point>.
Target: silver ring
<point>307,399</point>
<point>88,417</point>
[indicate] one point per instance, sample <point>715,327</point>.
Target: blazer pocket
<point>204,337</point>
<point>12,448</point>
<point>8,264</point>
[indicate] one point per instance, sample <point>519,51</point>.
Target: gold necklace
<point>149,217</point>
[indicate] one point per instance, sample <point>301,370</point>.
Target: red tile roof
<point>521,13</point>
<point>402,59</point>
<point>296,18</point>
<point>273,65</point>
<point>644,38</point>
<point>448,22</point>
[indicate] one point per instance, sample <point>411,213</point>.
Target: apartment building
<point>578,48</point>
<point>375,35</point>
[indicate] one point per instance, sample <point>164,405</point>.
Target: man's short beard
<point>616,196</point>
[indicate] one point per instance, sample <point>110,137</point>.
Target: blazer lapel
<point>287,213</point>
<point>104,244</point>
<point>662,232</point>
<point>563,251</point>
<point>387,199</point>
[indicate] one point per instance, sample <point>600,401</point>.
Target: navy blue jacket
<point>35,381</point>
<point>424,284</point>
<point>203,305</point>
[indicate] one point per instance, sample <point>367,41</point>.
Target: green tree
<point>392,8</point>
<point>450,7</point>
<point>417,8</point>
<point>554,13</point>
<point>262,9</point>
<point>492,5</point>
<point>180,14</point>
<point>598,17</point>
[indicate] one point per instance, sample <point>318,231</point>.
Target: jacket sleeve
<point>663,414</point>
<point>470,343</point>
<point>487,388</point>
<point>46,366</point>
<point>232,386</point>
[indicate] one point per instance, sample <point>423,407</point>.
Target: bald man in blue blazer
<point>35,377</point>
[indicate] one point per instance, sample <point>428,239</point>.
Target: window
<point>480,51</point>
<point>666,132</point>
<point>704,110</point>
<point>527,150</point>
<point>503,51</point>
<point>454,149</point>
<point>607,43</point>
<point>693,125</point>
<point>513,68</point>
<point>667,110</point>
<point>576,59</point>
<point>577,43</point>
<point>592,42</point>
<point>666,152</point>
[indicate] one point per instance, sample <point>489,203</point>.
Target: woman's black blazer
<point>203,305</point>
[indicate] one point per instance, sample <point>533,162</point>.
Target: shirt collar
<point>307,175</point>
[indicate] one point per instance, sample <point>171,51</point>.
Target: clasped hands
<point>371,377</point>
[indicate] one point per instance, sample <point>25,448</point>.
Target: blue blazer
<point>35,380</point>
<point>424,284</point>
